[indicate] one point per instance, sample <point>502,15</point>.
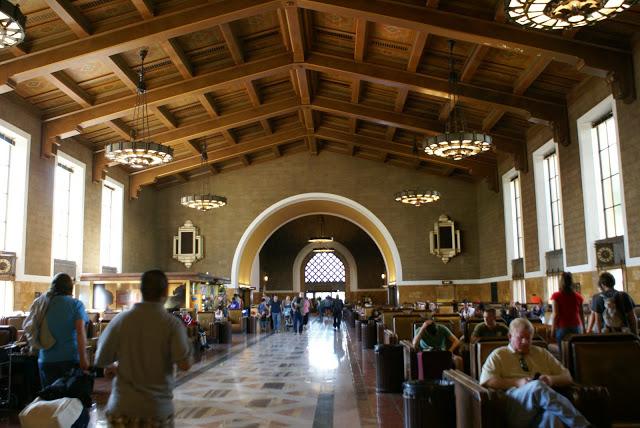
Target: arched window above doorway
<point>324,268</point>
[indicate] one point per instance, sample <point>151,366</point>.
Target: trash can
<point>252,325</point>
<point>224,332</point>
<point>389,368</point>
<point>368,332</point>
<point>429,403</point>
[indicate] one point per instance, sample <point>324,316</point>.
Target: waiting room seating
<point>480,350</point>
<point>412,361</point>
<point>608,360</point>
<point>235,317</point>
<point>480,407</point>
<point>8,334</point>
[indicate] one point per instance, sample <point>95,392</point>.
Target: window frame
<point>117,188</point>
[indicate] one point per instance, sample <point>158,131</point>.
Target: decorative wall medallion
<point>444,240</point>
<point>187,245</point>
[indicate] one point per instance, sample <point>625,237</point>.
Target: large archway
<point>296,206</point>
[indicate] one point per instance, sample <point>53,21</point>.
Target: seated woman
<point>219,314</point>
<point>437,337</point>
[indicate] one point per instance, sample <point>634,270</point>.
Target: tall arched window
<point>324,268</point>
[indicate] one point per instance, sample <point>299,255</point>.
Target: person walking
<point>306,308</point>
<point>263,313</point>
<point>66,318</point>
<point>276,312</point>
<point>296,307</point>
<point>567,310</point>
<point>337,312</point>
<point>140,347</point>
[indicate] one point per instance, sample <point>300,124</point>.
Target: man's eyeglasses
<point>523,364</point>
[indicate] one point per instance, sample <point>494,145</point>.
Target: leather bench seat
<point>235,317</point>
<point>609,360</point>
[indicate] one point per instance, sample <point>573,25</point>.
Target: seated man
<point>489,328</point>
<point>435,337</point>
<point>527,373</point>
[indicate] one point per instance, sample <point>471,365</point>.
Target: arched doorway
<point>296,206</point>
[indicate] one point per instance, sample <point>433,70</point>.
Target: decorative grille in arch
<point>324,267</point>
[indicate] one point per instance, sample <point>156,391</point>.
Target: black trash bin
<point>252,325</point>
<point>368,333</point>
<point>389,368</point>
<point>224,332</point>
<point>429,403</point>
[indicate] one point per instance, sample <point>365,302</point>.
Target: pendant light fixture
<point>12,24</point>
<point>139,151</point>
<point>563,14</point>
<point>416,197</point>
<point>205,200</point>
<point>322,238</point>
<point>456,142</point>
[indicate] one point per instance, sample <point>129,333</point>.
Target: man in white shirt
<point>528,373</point>
<point>141,346</point>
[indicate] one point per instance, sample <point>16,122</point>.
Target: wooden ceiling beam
<point>397,149</point>
<point>308,120</point>
<point>164,115</point>
<point>149,176</point>
<point>473,62</point>
<point>590,58</point>
<point>417,48</point>
<point>99,167</point>
<point>499,15</point>
<point>445,110</point>
<point>266,126</point>
<point>178,57</point>
<point>229,137</point>
<point>67,125</point>
<point>71,16</point>
<point>312,144</point>
<point>194,147</point>
<point>276,151</point>
<point>213,169</point>
<point>62,81</point>
<point>294,24</point>
<point>252,93</point>
<point>119,127</point>
<point>401,99</point>
<point>491,119</point>
<point>226,122</point>
<point>245,160</point>
<point>232,43</point>
<point>360,40</point>
<point>433,3</point>
<point>284,29</point>
<point>302,82</point>
<point>550,110</point>
<point>130,37</point>
<point>122,70</point>
<point>209,104</point>
<point>145,8</point>
<point>534,69</point>
<point>356,86</point>
<point>400,120</point>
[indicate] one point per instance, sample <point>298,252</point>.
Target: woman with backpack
<point>568,317</point>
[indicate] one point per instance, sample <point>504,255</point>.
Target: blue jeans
<point>297,322</point>
<point>50,372</point>
<point>562,332</point>
<point>536,404</point>
<point>276,320</point>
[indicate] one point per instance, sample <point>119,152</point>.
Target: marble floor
<point>318,379</point>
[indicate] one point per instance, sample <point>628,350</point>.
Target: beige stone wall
<point>372,184</point>
<point>25,292</point>
<point>491,236</point>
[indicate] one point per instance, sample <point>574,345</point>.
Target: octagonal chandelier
<point>563,14</point>
<point>12,24</point>
<point>457,142</point>
<point>139,151</point>
<point>417,197</point>
<point>205,200</point>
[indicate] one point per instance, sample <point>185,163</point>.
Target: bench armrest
<point>591,401</point>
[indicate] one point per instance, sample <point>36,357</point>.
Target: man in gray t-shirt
<point>140,346</point>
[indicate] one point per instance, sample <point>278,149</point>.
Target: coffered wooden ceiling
<point>255,80</point>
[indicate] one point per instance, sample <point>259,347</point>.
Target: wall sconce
<point>265,278</point>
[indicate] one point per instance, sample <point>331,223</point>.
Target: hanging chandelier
<point>12,24</point>
<point>563,14</point>
<point>139,151</point>
<point>205,200</point>
<point>457,142</point>
<point>322,238</point>
<point>417,197</point>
